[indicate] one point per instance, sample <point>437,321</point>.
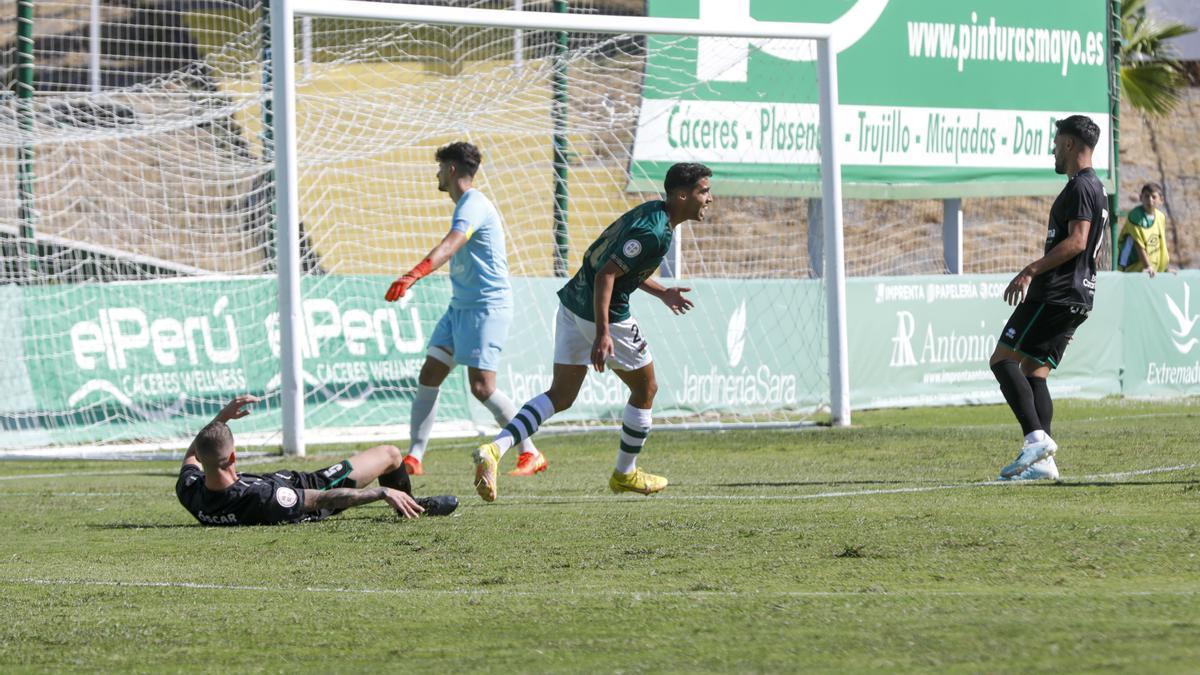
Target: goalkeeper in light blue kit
<point>474,328</point>
<point>594,327</point>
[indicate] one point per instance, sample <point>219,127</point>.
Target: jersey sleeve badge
<point>286,497</point>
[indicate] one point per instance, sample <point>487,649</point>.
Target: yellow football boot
<point>487,461</point>
<point>636,481</point>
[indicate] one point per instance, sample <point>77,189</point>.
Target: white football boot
<point>1043,469</point>
<point>1031,453</point>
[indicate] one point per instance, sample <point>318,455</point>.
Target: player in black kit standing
<point>1052,295</point>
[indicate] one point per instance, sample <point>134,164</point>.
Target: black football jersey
<point>255,499</point>
<point>1073,283</point>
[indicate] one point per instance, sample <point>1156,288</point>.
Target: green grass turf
<point>755,559</point>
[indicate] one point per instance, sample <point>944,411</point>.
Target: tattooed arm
<point>344,498</point>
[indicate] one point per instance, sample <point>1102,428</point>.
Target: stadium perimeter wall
<point>109,366</point>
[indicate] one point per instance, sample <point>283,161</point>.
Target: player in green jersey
<point>594,328</point>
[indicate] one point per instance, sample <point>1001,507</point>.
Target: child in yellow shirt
<point>1142,244</point>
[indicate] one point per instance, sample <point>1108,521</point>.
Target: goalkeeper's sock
<point>635,427</point>
<point>1018,394</point>
<point>525,423</point>
<point>1042,402</point>
<point>424,409</point>
<point>503,411</point>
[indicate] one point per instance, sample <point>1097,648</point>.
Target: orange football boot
<point>413,466</point>
<point>529,463</point>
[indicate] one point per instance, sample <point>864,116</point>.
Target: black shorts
<point>1041,332</point>
<point>337,475</point>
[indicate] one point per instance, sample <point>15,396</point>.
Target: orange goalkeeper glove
<point>400,286</point>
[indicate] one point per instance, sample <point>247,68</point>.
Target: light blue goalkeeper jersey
<point>479,270</point>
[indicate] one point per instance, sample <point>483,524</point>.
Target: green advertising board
<point>749,347</point>
<point>131,361</point>
<point>938,98</point>
<point>927,340</point>
<point>1161,335</point>
<point>121,362</point>
<point>116,362</point>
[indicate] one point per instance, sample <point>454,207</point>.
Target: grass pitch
<point>877,547</point>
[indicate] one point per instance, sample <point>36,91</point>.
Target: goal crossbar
<point>283,14</point>
<point>581,23</point>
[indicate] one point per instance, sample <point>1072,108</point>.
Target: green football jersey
<point>636,242</point>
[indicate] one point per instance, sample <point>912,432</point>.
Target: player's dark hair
<point>211,442</point>
<point>464,155</point>
<point>1153,187</point>
<point>685,175</point>
<point>1081,127</point>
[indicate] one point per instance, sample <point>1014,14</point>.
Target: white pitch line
<point>864,493</point>
<point>1130,474</point>
<point>674,497</point>
<point>1081,420</point>
<point>558,593</point>
<point>131,472</point>
<point>77,494</point>
<point>81,474</point>
<point>169,473</point>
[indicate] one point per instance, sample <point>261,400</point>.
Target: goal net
<point>147,295</point>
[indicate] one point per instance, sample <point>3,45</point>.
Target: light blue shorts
<point>476,336</point>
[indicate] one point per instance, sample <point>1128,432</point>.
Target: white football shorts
<point>574,335</point>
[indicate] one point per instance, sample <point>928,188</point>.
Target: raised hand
<point>236,408</point>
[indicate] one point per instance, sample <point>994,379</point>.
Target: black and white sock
<point>525,423</point>
<point>503,411</point>
<point>635,427</point>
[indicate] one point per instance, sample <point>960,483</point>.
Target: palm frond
<point>1152,87</point>
<point>1175,30</point>
<point>1151,77</point>
<point>1132,8</point>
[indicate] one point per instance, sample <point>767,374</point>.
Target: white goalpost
<point>284,83</point>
